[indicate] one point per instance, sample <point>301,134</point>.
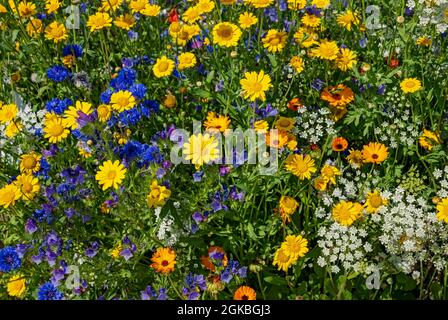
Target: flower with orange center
<point>163,260</point>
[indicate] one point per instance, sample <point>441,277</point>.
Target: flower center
<point>376,201</point>
<point>375,156</point>
<point>163,66</point>
<point>123,101</point>
<point>29,162</point>
<point>27,187</point>
<point>111,174</point>
<point>244,297</point>
<point>164,263</point>
<point>225,32</point>
<point>57,130</point>
<point>257,87</point>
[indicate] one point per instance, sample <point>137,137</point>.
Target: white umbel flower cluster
<point>314,124</point>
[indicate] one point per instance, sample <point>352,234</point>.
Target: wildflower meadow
<point>223,149</point>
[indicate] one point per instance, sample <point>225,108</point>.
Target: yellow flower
<point>163,67</point>
<point>186,60</point>
<point>410,85</point>
<point>192,14</point>
<point>247,19</point>
<point>442,210</point>
<point>205,6</point>
<point>226,34</point>
<point>227,2</point>
<point>424,41</point>
<point>327,50</point>
<point>330,173</point>
<point>275,40</point>
<point>170,100</point>
<point>125,21</point>
<point>122,100</point>
<point>55,130</point>
<point>321,4</point>
<point>56,31</point>
<point>310,20</point>
<point>297,63</point>
<point>107,5</point>
<point>71,114</point>
<point>99,21</point>
<point>355,158</point>
<point>300,165</point>
<point>346,59</point>
<point>151,10</point>
<point>8,195</point>
<point>347,212</point>
<point>255,85</point>
<point>26,9</point>
<point>374,201</point>
<point>52,6</point>
<point>284,123</point>
<point>157,195</point>
<point>8,112</point>
<point>34,27</point>
<point>306,37</point>
<point>288,206</point>
<point>282,260</point>
<point>261,126</point>
<point>220,123</point>
<point>260,3</point>
<point>3,9</point>
<point>137,5</point>
<point>16,286</point>
<point>115,252</point>
<point>201,149</point>
<point>348,19</point>
<point>12,129</point>
<point>296,4</point>
<point>28,186</point>
<point>295,247</point>
<point>110,174</point>
<point>30,162</point>
<point>429,139</point>
<point>104,112</point>
<point>374,152</point>
<point>320,183</point>
<point>163,260</point>
<point>276,139</point>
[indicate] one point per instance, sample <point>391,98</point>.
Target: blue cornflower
<point>72,49</point>
<point>58,73</point>
<point>105,96</point>
<point>9,259</point>
<point>138,90</point>
<point>48,291</point>
<point>58,106</point>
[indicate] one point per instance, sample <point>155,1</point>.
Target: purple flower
<point>30,226</point>
<point>197,216</point>
<point>126,254</point>
<point>317,84</point>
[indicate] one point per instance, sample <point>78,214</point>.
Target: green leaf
<point>276,280</point>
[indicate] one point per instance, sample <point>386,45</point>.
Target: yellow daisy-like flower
<point>28,186</point>
<point>442,210</point>
<point>115,252</point>
<point>347,212</point>
<point>125,21</point>
<point>284,123</point>
<point>99,21</point>
<point>110,174</point>
<point>71,115</point>
<point>157,195</point>
<point>30,162</point>
<point>220,123</point>
<point>429,139</point>
<point>52,6</point>
<point>275,40</point>
<point>310,20</point>
<point>260,3</point>
<point>374,152</point>
<point>8,112</point>
<point>34,27</point>
<point>348,19</point>
<point>410,85</point>
<point>295,247</point>
<point>424,41</point>
<point>321,4</point>
<point>163,67</point>
<point>300,165</point>
<point>201,149</point>
<point>327,50</point>
<point>26,9</point>
<point>108,5</point>
<point>374,202</point>
<point>186,60</point>
<point>282,260</point>
<point>355,158</point>
<point>226,34</point>
<point>247,20</point>
<point>306,37</point>
<point>277,139</point>
<point>296,4</point>
<point>16,286</point>
<point>137,5</point>
<point>192,14</point>
<point>104,112</point>
<point>346,59</point>
<point>122,100</point>
<point>297,63</point>
<point>163,260</point>
<point>56,31</point>
<point>205,6</point>
<point>151,10</point>
<point>55,130</point>
<point>288,206</point>
<point>255,85</point>
<point>13,128</point>
<point>261,126</point>
<point>3,9</point>
<point>227,2</point>
<point>8,195</point>
<point>320,183</point>
<point>330,173</point>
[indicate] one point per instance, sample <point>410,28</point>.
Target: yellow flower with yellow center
<point>151,10</point>
<point>348,19</point>
<point>429,139</point>
<point>104,112</point>
<point>186,60</point>
<point>201,149</point>
<point>275,40</point>
<point>157,195</point>
<point>297,63</point>
<point>442,210</point>
<point>346,59</point>
<point>122,100</point>
<point>306,37</point>
<point>301,166</point>
<point>282,260</point>
<point>71,115</point>
<point>220,123</point>
<point>125,21</point>
<point>330,173</point>
<point>247,20</point>
<point>56,31</point>
<point>295,247</point>
<point>321,4</point>
<point>110,174</point>
<point>310,20</point>
<point>346,212</point>
<point>260,3</point>
<point>192,14</point>
<point>163,67</point>
<point>28,186</point>
<point>52,6</point>
<point>34,27</point>
<point>410,85</point>
<point>26,9</point>
<point>8,195</point>
<point>115,252</point>
<point>13,128</point>
<point>288,206</point>
<point>226,34</point>
<point>16,286</point>
<point>320,183</point>
<point>296,4</point>
<point>284,123</point>
<point>55,130</point>
<point>8,112</point>
<point>374,202</point>
<point>137,5</point>
<point>99,21</point>
<point>261,126</point>
<point>327,50</point>
<point>30,162</point>
<point>108,5</point>
<point>255,85</point>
